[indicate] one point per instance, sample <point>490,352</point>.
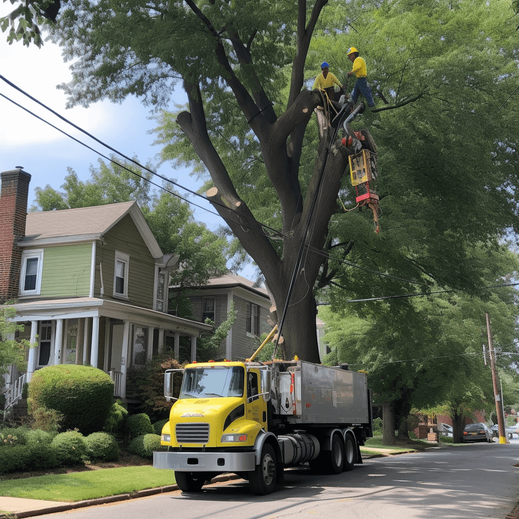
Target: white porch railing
<point>14,393</point>
<point>117,378</point>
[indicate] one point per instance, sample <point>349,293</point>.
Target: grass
<point>78,486</point>
<point>375,444</point>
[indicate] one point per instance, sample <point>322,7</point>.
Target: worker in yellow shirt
<point>325,81</point>
<point>360,71</point>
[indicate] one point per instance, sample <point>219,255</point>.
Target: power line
<point>263,226</point>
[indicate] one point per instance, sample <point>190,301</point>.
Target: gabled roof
<point>233,281</point>
<point>84,224</point>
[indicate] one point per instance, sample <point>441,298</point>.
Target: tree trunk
<point>388,424</point>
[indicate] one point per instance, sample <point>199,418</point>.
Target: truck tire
<point>350,452</point>
<point>262,480</point>
<point>190,481</point>
<point>335,457</point>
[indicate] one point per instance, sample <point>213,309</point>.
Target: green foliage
<point>102,446</point>
<point>39,437</point>
<point>70,448</point>
<point>115,420</point>
<point>138,425</point>
<point>11,351</point>
<point>144,445</point>
<point>157,426</point>
<point>15,458</point>
<point>377,426</point>
<point>49,420</point>
<point>148,382</point>
<point>84,395</point>
<point>11,436</point>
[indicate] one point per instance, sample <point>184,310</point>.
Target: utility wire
<point>264,226</point>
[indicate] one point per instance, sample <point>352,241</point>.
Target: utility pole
<point>497,391</point>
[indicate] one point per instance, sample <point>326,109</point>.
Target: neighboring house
<point>90,285</point>
<point>251,304</point>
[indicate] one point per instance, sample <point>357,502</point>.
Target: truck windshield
<point>212,382</point>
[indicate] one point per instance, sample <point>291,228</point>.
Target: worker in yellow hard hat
<point>360,71</point>
<point>326,81</point>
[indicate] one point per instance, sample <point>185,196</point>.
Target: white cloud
<point>37,72</point>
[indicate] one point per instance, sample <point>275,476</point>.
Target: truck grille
<point>192,432</point>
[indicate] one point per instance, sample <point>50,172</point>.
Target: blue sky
<point>44,152</point>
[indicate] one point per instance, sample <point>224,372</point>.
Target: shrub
<point>69,448</point>
<point>42,456</point>
<point>84,395</point>
<point>145,445</point>
<point>15,458</point>
<point>157,426</point>
<point>149,384</point>
<point>11,436</point>
<point>137,425</point>
<point>102,446</point>
<point>47,419</point>
<point>38,437</point>
<point>116,417</point>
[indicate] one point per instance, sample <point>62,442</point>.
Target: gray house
<point>251,303</point>
<point>90,285</point>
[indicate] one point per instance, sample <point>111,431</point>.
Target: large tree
<point>249,122</point>
<point>425,351</point>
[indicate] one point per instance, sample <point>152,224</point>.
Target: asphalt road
<point>470,481</point>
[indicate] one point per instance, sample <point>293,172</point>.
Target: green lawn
<point>78,486</point>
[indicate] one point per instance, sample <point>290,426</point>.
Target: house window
<point>30,276</point>
<point>45,343</point>
<point>122,264</point>
<point>207,308</point>
<point>253,312</point>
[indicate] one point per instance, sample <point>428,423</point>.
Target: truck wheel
<point>190,481</point>
<point>335,461</point>
<point>350,455</point>
<point>262,480</point>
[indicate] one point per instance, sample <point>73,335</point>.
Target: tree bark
<point>388,424</point>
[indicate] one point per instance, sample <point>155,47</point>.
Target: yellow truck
<point>254,419</point>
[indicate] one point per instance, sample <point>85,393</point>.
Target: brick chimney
<point>13,214</point>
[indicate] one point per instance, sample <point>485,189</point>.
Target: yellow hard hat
<point>351,50</point>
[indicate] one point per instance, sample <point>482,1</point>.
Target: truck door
<point>256,405</point>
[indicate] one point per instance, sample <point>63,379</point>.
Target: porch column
<point>85,341</point>
<point>193,348</point>
<point>149,346</point>
<point>33,352</point>
<point>160,342</point>
<point>176,346</point>
<point>124,357</point>
<point>58,342</point>
<point>94,351</point>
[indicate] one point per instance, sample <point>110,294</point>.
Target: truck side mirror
<point>172,383</point>
<point>265,384</point>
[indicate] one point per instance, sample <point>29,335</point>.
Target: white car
<point>445,429</point>
<point>513,429</point>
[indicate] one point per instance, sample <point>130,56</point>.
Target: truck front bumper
<point>205,461</point>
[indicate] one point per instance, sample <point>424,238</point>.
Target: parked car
<point>445,429</point>
<point>513,429</point>
<point>474,432</point>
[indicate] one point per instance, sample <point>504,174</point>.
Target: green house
<point>90,285</point>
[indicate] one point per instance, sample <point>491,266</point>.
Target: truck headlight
<point>234,438</point>
<point>165,438</point>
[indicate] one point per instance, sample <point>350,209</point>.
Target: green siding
<point>124,237</point>
<point>66,271</point>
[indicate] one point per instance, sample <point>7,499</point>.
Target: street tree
<point>426,351</point>
<point>249,124</point>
